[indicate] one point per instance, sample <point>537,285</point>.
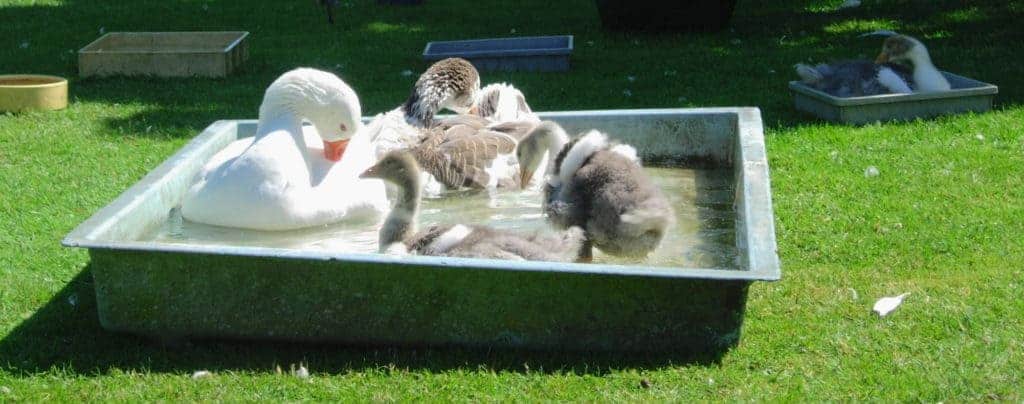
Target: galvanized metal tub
<point>184,291</point>
<point>164,54</point>
<point>967,95</point>
<point>536,53</point>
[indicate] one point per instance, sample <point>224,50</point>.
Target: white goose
<point>903,48</point>
<point>282,178</point>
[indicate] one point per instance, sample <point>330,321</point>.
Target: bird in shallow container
<point>903,66</point>
<point>451,83</point>
<point>289,175</point>
<point>398,234</point>
<point>448,84</point>
<point>503,102</point>
<point>465,153</point>
<point>598,185</point>
<point>468,150</point>
<point>925,77</point>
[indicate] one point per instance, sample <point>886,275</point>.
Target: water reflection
<point>703,236</point>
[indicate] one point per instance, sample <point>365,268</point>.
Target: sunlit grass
<point>383,27</point>
<point>965,15</point>
<point>943,219</point>
<point>856,27</point>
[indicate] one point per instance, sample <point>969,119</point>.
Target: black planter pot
<point>655,15</point>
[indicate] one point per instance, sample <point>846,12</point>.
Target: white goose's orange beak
<point>334,150</point>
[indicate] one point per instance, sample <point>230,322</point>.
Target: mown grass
<point>943,220</point>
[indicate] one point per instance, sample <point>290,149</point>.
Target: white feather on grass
<point>887,304</point>
<point>201,374</point>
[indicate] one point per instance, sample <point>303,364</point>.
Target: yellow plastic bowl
<point>20,92</point>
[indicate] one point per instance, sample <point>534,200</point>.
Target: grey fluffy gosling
<point>399,235</point>
<point>600,186</point>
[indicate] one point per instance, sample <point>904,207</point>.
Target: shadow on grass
<point>66,334</point>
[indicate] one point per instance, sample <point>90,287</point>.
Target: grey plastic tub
<point>967,95</point>
<point>537,53</point>
<point>164,54</point>
<point>225,291</point>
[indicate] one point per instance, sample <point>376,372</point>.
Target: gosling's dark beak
<point>524,177</point>
<point>882,57</point>
<point>369,173</point>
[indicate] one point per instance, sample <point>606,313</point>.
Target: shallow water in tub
<point>702,237</point>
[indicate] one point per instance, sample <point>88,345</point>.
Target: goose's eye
<point>343,127</point>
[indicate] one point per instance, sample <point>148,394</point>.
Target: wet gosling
<point>600,186</point>
<point>399,235</point>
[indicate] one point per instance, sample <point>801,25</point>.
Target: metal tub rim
<point>759,241</point>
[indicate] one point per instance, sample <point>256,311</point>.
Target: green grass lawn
<point>944,220</point>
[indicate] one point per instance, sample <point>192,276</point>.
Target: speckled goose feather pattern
<point>515,129</point>
<point>459,156</point>
<point>452,77</point>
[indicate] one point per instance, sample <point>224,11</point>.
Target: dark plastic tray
<point>966,95</point>
<point>537,53</point>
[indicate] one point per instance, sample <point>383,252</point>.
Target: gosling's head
<point>901,48</point>
<point>397,167</point>
<point>547,138</point>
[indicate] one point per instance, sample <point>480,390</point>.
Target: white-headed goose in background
<point>888,74</point>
